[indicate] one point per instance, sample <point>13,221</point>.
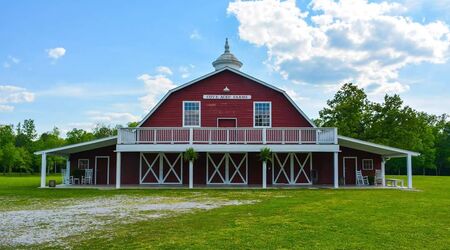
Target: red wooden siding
<point>169,114</point>
<point>322,165</point>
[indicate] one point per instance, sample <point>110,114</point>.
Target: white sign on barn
<point>227,97</point>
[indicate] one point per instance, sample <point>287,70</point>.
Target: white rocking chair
<point>378,177</point>
<point>66,178</point>
<point>87,178</point>
<point>360,179</point>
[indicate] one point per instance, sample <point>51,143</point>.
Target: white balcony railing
<point>166,135</point>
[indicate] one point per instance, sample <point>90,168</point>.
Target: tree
<point>348,111</point>
<point>102,131</point>
<point>132,124</point>
<point>443,146</point>
<point>78,135</point>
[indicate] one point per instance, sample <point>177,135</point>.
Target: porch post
<point>118,161</point>
<point>336,170</point>
<point>68,170</point>
<point>264,174</point>
<point>409,170</point>
<point>191,174</point>
<point>43,169</point>
<point>383,181</point>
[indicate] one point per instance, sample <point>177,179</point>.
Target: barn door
<point>292,168</point>
<point>161,168</point>
<point>226,168</point>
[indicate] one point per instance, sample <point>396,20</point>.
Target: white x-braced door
<point>161,168</point>
<point>292,168</point>
<point>227,168</point>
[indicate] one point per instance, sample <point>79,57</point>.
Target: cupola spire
<point>227,59</point>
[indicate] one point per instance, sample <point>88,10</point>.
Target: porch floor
<point>218,186</point>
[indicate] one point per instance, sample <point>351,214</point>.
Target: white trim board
<point>374,148</point>
<point>217,72</point>
<point>226,148</point>
<point>83,146</point>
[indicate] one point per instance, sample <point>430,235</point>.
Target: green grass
<point>285,218</point>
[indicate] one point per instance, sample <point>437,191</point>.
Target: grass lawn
<point>284,218</point>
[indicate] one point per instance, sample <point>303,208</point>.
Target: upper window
<point>367,164</point>
<point>191,114</point>
<point>83,163</point>
<point>262,114</point>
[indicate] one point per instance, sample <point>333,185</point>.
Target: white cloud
<point>164,70</point>
<point>14,59</point>
<point>345,40</point>
<point>9,61</point>
<point>56,53</point>
<point>185,71</point>
<point>14,94</point>
<point>155,86</point>
<point>6,108</point>
<point>112,117</point>
<point>195,35</point>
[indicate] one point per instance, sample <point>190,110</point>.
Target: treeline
<point>394,124</point>
<point>18,144</point>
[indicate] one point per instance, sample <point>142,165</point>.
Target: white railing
<point>166,135</point>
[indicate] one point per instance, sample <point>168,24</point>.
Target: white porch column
<point>43,169</point>
<point>336,169</point>
<point>383,171</point>
<point>67,170</point>
<point>118,161</point>
<point>409,170</point>
<point>264,174</point>
<point>191,174</point>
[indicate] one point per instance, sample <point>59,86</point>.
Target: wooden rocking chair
<point>378,177</point>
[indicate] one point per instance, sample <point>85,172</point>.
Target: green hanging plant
<point>190,155</point>
<point>265,154</point>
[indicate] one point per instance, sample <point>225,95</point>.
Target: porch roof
<point>79,147</point>
<point>370,147</point>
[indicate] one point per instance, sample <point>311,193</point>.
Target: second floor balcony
<point>213,135</point>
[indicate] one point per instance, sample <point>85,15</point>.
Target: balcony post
<point>317,136</point>
<point>191,136</point>
<point>264,135</point>
<point>300,136</point>
<point>335,136</point>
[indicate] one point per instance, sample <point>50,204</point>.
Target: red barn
<point>227,117</point>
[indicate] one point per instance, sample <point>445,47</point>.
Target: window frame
<point>199,114</point>
<point>363,165</point>
<point>84,159</point>
<point>270,114</point>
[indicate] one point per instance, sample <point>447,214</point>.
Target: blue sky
<point>78,63</point>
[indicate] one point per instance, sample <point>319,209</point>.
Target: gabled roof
<point>370,147</point>
<point>80,147</point>
<point>217,72</point>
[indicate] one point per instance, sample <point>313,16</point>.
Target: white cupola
<point>227,59</point>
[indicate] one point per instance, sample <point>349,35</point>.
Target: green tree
<point>78,135</point>
<point>102,131</point>
<point>348,111</point>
